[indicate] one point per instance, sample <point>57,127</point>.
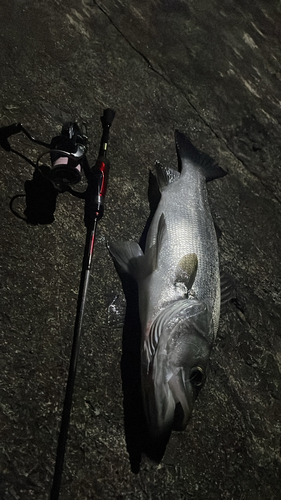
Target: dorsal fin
<point>228,288</point>
<point>189,153</point>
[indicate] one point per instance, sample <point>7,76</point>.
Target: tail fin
<point>189,153</point>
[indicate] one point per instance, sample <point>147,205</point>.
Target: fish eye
<point>196,376</point>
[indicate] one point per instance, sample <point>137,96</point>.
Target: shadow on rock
<point>137,435</point>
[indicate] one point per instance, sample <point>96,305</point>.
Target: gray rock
<point>212,70</point>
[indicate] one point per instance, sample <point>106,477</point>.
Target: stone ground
<point>212,69</point>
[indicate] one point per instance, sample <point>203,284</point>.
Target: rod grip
<point>96,191</point>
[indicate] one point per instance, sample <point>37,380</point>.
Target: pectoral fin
<point>186,270</point>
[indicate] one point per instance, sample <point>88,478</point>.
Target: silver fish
<point>179,289</point>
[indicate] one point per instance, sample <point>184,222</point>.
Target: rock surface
<point>211,69</point>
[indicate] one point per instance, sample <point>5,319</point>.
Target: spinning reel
<point>67,160</point>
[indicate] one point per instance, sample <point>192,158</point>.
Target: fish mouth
<point>183,400</point>
<point>168,409</point>
<point>174,356</point>
<point>179,418</point>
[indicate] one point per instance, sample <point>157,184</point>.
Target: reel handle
<point>6,132</point>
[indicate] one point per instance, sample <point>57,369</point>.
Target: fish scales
<point>179,290</point>
<point>190,229</point>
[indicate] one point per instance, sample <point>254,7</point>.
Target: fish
<point>178,279</point>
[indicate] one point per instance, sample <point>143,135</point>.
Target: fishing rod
<point>68,158</point>
<point>94,206</point>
